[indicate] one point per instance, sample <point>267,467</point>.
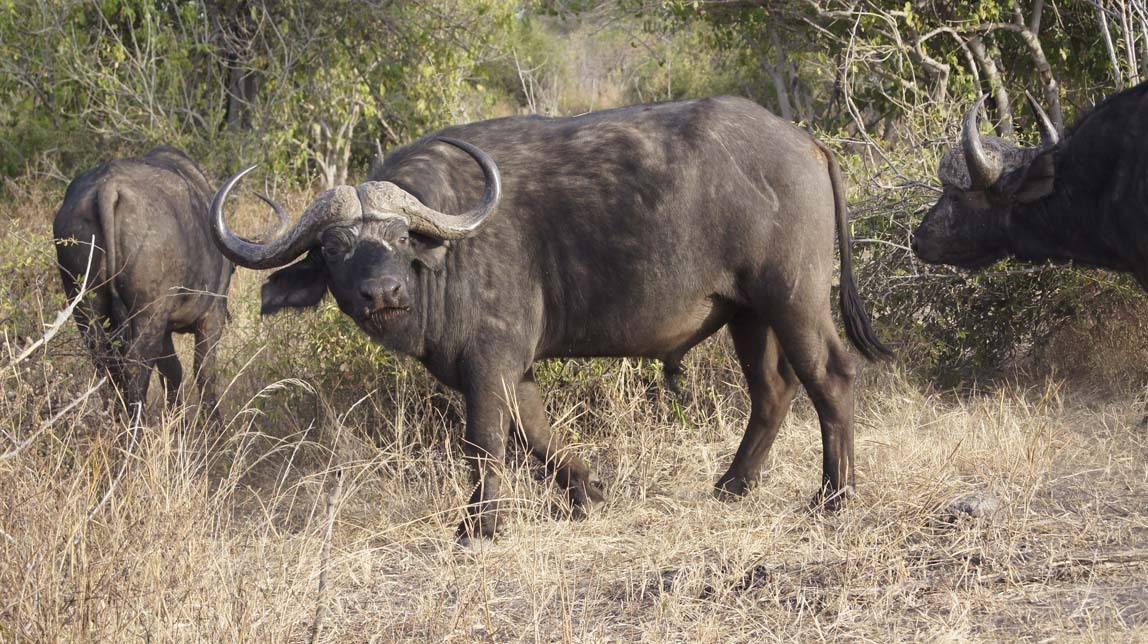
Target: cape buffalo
<point>154,271</point>
<point>637,231</point>
<point>1081,199</point>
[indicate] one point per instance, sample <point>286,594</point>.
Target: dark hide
<point>631,232</point>
<point>1083,200</point>
<point>160,273</point>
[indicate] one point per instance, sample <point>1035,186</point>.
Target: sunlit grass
<point>176,530</point>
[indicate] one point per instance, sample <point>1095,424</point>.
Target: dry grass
<point>174,531</point>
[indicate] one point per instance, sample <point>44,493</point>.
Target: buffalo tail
<point>858,328</point>
<point>106,207</point>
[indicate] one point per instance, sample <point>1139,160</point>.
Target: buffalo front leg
<point>673,373</point>
<point>569,471</point>
<point>487,426</point>
<point>772,385</point>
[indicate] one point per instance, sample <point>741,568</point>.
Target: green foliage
<point>29,281</point>
<point>233,81</point>
<point>341,344</point>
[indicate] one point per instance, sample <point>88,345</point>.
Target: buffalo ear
<point>430,252</point>
<point>299,286</point>
<point>1036,180</point>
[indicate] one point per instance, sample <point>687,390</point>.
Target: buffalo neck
<point>1074,226</point>
<point>428,343</point>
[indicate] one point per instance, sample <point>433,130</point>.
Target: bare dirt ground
<point>327,501</point>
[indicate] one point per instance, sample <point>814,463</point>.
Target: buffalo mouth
<point>386,314</point>
<point>966,261</point>
<point>946,255</point>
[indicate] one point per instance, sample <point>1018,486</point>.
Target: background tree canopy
<point>311,90</point>
<point>310,86</point>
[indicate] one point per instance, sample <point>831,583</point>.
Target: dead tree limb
<point>998,89</point>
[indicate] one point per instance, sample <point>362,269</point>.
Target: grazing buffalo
<point>155,270</point>
<point>637,231</point>
<point>1081,199</point>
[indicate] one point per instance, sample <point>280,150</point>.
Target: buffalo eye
<point>337,243</point>
<point>404,240</point>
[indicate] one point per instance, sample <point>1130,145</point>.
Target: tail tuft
<point>858,328</point>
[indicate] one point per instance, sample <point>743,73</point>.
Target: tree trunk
<point>998,89</point>
<point>243,89</point>
<point>1032,41</point>
<point>1116,75</point>
<point>233,33</point>
<point>777,72</point>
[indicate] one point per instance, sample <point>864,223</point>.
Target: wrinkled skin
<point>1084,199</point>
<point>163,274</point>
<point>632,232</point>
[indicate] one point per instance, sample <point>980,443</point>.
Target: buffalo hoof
<point>681,394</point>
<point>672,387</point>
<point>472,529</point>
<point>827,500</point>
<point>475,543</point>
<point>731,487</point>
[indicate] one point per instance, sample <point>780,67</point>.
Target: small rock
<point>976,505</point>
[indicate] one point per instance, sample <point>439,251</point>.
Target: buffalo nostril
<point>383,292</point>
<point>391,286</point>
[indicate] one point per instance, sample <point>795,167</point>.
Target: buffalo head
<point>363,244</point>
<point>984,178</point>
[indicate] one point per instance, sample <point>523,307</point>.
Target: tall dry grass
<point>344,466</point>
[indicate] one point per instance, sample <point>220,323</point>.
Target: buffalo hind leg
<point>826,369</point>
<point>167,363</point>
<point>208,331</point>
<point>93,317</point>
<point>149,345</point>
<point>569,471</point>
<point>772,385</point>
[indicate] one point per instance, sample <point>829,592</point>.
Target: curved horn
<point>433,223</point>
<point>1048,134</point>
<point>282,219</point>
<point>333,205</point>
<point>982,171</point>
